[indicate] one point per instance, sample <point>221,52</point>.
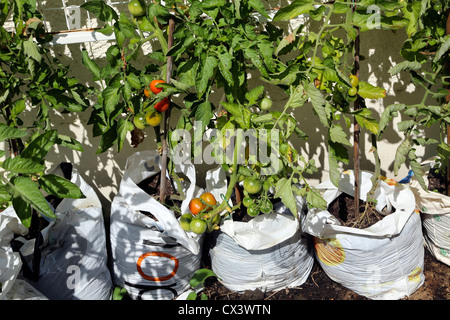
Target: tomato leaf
<point>200,276</point>
<point>283,190</point>
<point>18,164</point>
<point>405,65</point>
<point>59,186</point>
<point>206,74</point>
<point>336,153</point>
<point>387,114</point>
<point>7,132</point>
<point>337,134</point>
<point>100,9</point>
<point>90,64</point>
<point>293,10</point>
<point>24,189</point>
<point>253,95</point>
<point>442,49</point>
<point>111,98</point>
<point>31,50</point>
<point>40,146</point>
<point>203,113</point>
<point>225,65</point>
<point>315,200</point>
<point>401,155</point>
<point>318,103</point>
<point>364,119</point>
<point>368,91</point>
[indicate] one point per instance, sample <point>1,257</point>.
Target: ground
<point>319,286</point>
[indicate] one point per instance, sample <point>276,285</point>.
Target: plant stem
<point>233,181</point>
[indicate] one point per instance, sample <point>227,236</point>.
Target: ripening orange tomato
<point>147,91</point>
<point>209,199</point>
<point>153,86</point>
<point>196,205</point>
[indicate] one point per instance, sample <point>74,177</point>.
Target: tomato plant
<point>426,59</point>
<point>29,77</point>
<point>216,45</point>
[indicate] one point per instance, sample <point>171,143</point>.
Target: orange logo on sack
<point>157,254</point>
<point>329,251</point>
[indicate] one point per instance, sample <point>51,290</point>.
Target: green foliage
<point>216,45</point>
<point>325,61</point>
<point>29,76</point>
<point>426,58</point>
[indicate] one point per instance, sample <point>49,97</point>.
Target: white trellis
<point>70,24</point>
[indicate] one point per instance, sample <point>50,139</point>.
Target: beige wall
<point>104,171</point>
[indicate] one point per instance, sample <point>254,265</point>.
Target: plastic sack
<point>10,262</point>
<point>435,208</point>
<point>72,248</point>
<point>384,261</point>
<point>23,290</point>
<point>153,258</point>
<point>267,253</point>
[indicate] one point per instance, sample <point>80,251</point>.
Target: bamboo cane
<point>166,118</point>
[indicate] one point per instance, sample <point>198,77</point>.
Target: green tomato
<point>139,121</point>
<point>252,185</point>
<point>198,225</point>
<point>265,104</point>
<point>185,221</point>
<point>266,206</point>
<point>253,210</point>
<point>247,201</point>
<point>136,8</point>
<point>352,91</point>
<point>266,185</point>
<point>354,81</point>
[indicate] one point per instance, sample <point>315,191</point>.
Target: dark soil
<point>343,208</point>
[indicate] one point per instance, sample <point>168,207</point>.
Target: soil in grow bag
<point>343,209</point>
<point>152,186</point>
<point>437,181</point>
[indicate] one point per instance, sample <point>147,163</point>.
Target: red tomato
<point>163,105</point>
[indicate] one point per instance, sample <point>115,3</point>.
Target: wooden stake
<point>356,127</point>
<point>166,118</point>
<point>447,99</point>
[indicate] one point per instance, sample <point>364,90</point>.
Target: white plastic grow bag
<point>10,262</point>
<point>73,255</point>
<point>435,208</point>
<point>267,253</point>
<point>383,261</point>
<point>152,258</point>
